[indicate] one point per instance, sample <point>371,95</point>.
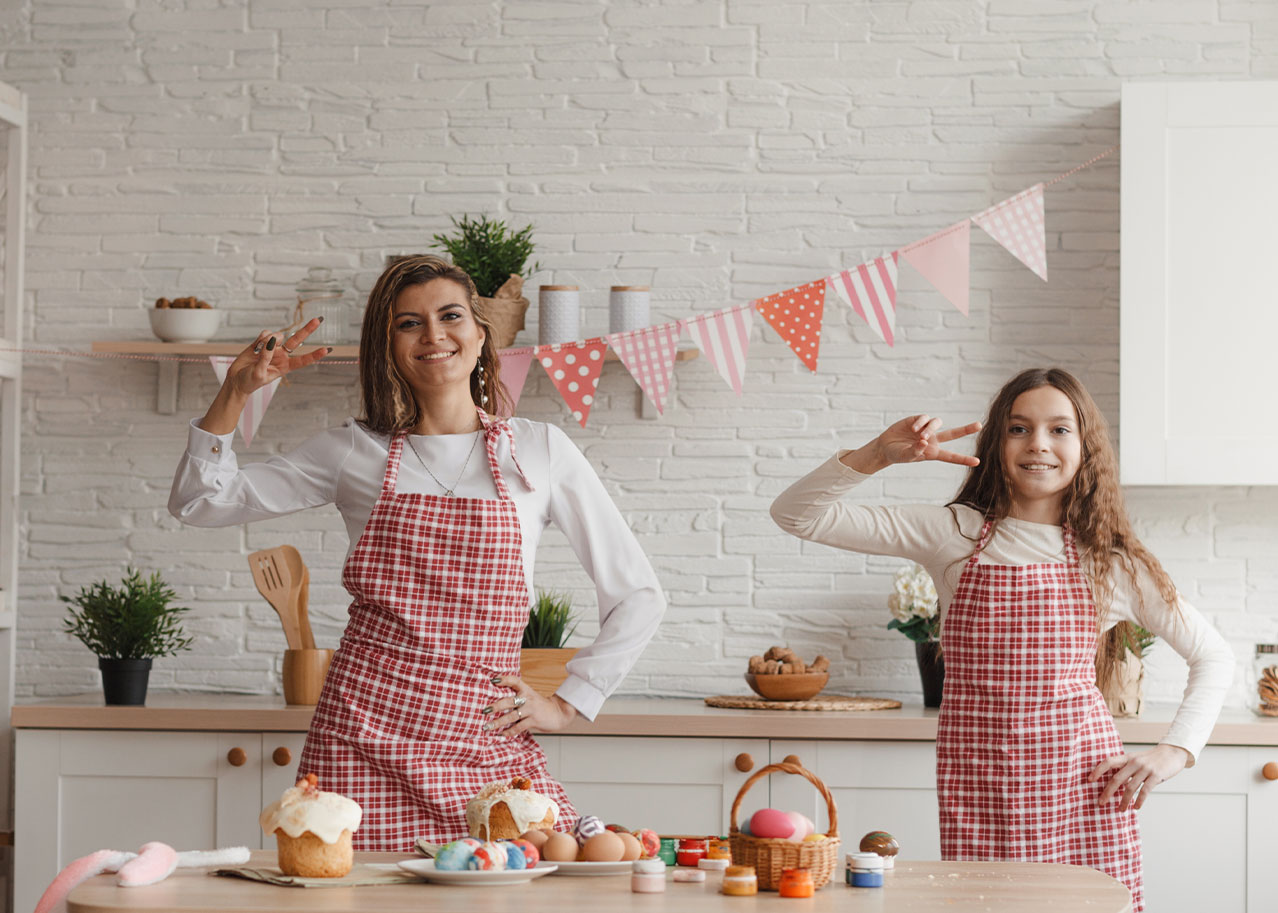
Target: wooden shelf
<point>167,380</point>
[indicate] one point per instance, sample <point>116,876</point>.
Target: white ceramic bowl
<point>185,324</point>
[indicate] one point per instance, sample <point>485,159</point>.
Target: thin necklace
<point>448,489</point>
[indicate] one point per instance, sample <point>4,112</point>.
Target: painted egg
<point>880,842</point>
<point>454,857</point>
<point>537,837</point>
<point>769,823</point>
<point>630,847</point>
<point>617,828</point>
<point>587,826</point>
<point>514,855</point>
<point>491,857</point>
<point>531,854</point>
<point>559,847</point>
<point>649,841</point>
<point>802,825</point>
<point>603,847</point>
<point>813,838</point>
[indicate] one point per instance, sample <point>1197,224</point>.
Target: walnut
<point>756,664</point>
<point>521,783</point>
<point>820,664</point>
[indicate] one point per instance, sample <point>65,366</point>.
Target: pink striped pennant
<point>1019,225</point>
<point>255,408</point>
<point>649,356</point>
<point>724,338</point>
<point>574,370</point>
<point>796,314</point>
<point>870,290</point>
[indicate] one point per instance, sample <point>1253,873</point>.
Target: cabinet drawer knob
<point>236,757</point>
<point>1270,770</point>
<point>744,762</point>
<point>281,756</point>
<point>792,759</point>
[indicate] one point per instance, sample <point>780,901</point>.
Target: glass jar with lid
<point>320,295</point>
<point>1264,679</point>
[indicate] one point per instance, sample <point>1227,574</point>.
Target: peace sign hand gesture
<point>911,440</point>
<point>269,358</point>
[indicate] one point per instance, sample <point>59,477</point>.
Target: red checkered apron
<point>440,606</point>
<point>1022,724</point>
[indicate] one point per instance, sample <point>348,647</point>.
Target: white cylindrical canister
<point>558,314</point>
<point>628,308</point>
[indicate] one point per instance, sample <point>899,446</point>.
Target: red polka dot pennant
<point>796,314</point>
<point>574,369</point>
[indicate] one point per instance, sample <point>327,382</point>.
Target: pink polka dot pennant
<point>574,367</point>
<point>796,314</point>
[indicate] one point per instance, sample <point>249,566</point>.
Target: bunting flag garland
<point>870,290</point>
<point>796,314</point>
<point>514,371</point>
<point>724,337</point>
<point>649,356</point>
<point>258,400</point>
<point>944,259</point>
<point>1018,224</point>
<point>574,370</point>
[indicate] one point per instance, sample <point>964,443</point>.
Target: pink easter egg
<point>802,825</point>
<point>771,823</point>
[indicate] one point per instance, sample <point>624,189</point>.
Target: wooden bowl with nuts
<point>779,675</point>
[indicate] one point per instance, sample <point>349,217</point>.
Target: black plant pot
<point>124,680</point>
<point>931,670</point>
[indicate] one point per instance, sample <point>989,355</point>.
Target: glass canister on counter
<point>1264,676</point>
<point>320,295</point>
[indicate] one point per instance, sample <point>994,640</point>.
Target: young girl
<point>1033,560</point>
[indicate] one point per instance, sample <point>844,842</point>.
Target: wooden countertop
<point>670,717</point>
<point>913,887</point>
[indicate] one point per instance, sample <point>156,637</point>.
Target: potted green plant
<point>127,626</point>
<point>544,658</point>
<point>497,260</point>
<point>1120,668</point>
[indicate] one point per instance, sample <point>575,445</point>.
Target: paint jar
<point>864,870</point>
<point>558,314</point>
<point>740,881</point>
<point>690,851</point>
<point>719,848</point>
<point>1264,670</point>
<point>667,852</point>
<point>795,883</point>
<point>693,875</point>
<point>647,876</point>
<point>714,865</point>
<point>628,308</point>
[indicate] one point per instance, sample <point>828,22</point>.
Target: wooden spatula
<point>271,574</point>
<point>298,572</point>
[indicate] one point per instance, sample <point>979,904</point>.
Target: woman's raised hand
<point>270,357</point>
<point>911,440</point>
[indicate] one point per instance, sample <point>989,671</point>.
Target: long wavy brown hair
<point>1093,505</point>
<point>389,404</point>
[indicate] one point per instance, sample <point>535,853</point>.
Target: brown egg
<point>605,847</point>
<point>559,847</point>
<point>630,846</point>
<point>537,837</point>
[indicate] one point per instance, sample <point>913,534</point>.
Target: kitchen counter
<point>620,717</point>
<point>918,887</point>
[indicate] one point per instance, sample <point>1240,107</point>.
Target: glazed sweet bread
<point>312,830</point>
<point>503,811</point>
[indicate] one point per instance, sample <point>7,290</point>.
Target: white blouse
<point>345,466</point>
<point>928,534</point>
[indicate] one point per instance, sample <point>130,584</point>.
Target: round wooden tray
<point>820,702</point>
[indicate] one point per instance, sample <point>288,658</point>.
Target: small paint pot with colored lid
<point>647,876</point>
<point>740,881</point>
<point>864,870</point>
<point>667,851</point>
<point>795,883</point>
<point>690,851</point>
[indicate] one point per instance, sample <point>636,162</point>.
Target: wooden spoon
<point>301,595</point>
<point>271,574</point>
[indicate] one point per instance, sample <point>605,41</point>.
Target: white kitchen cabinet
<point>672,785</point>
<point>1197,317</point>
<point>87,790</point>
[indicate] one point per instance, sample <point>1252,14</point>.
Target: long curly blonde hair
<point>389,405</point>
<point>1093,505</point>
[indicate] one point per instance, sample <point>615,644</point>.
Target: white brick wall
<point>714,150</point>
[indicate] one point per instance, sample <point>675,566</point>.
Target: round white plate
<point>594,868</point>
<point>425,868</point>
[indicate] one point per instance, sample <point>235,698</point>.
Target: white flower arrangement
<point>914,604</point>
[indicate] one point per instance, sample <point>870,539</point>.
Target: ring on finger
<point>520,701</point>
<point>521,714</point>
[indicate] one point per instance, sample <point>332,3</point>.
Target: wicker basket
<point>505,311</point>
<point>769,856</point>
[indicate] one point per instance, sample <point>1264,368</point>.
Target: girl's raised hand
<point>919,438</point>
<point>270,357</point>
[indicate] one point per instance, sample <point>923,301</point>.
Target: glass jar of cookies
<point>1264,679</point>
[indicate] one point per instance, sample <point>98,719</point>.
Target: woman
<point>1033,560</point>
<point>444,505</point>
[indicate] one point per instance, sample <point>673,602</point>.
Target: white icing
<point>326,815</point>
<point>526,807</point>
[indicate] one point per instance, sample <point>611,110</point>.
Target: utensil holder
<point>771,856</point>
<point>304,672</point>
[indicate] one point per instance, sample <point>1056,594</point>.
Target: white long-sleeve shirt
<point>345,466</point>
<point>941,539</point>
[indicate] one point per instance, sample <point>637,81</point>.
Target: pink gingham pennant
<point>724,337</point>
<point>796,314</point>
<point>258,400</point>
<point>1018,224</point>
<point>870,290</point>
<point>574,369</point>
<point>649,356</point>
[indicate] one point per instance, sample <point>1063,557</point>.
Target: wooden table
<point>913,887</point>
